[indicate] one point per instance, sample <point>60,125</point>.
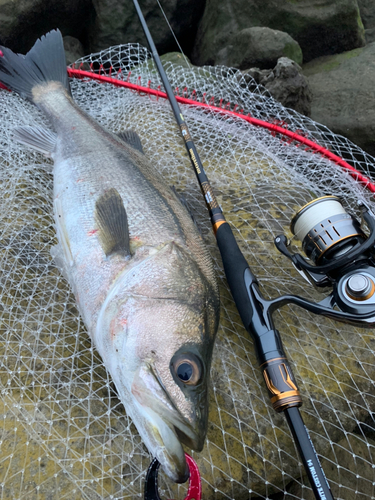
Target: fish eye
<point>184,372</point>
<point>187,368</point>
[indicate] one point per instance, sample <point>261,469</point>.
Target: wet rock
<point>21,23</point>
<point>288,85</point>
<point>370,35</point>
<point>116,22</point>
<point>73,49</point>
<point>98,24</point>
<point>285,82</point>
<point>344,94</point>
<point>260,47</point>
<point>319,28</point>
<point>367,11</point>
<point>176,58</point>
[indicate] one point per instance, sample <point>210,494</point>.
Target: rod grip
<point>276,370</point>
<point>235,266</point>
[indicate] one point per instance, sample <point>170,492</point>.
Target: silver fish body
<point>142,276</point>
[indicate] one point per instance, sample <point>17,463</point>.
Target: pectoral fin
<point>112,221</point>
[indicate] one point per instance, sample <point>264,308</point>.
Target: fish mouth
<point>169,450</point>
<point>164,429</point>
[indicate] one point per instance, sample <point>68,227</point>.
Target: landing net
<point>63,432</point>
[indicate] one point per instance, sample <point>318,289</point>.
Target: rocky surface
<point>344,94</point>
<point>73,49</point>
<point>334,27</point>
<point>319,28</point>
<point>367,12</point>
<point>285,82</point>
<point>260,47</point>
<point>370,35</point>
<point>98,24</point>
<point>176,58</point>
<point>21,22</point>
<point>116,22</point>
<point>288,85</point>
<point>246,35</point>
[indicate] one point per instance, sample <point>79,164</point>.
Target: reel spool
<point>326,230</point>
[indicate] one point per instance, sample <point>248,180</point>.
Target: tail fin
<point>43,63</point>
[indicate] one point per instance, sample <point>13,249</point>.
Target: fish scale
<point>79,179</point>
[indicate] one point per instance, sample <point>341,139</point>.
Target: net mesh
<point>63,431</point>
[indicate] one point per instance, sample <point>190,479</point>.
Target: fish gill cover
<point>63,431</point>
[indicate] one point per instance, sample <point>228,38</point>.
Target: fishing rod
<point>344,259</point>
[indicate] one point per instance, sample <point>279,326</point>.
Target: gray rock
<point>285,82</point>
<point>73,49</point>
<point>176,58</point>
<point>116,22</point>
<point>344,94</point>
<point>260,47</point>
<point>367,10</point>
<point>370,35</point>
<point>288,85</point>
<point>259,75</point>
<point>320,28</point>
<point>98,24</point>
<point>21,23</point>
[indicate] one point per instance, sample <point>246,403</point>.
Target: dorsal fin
<point>112,221</point>
<point>132,138</point>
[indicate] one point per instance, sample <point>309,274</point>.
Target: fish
<point>143,278</point>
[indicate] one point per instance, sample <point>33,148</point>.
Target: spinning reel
<point>340,255</point>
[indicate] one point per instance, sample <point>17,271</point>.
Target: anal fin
<point>112,221</point>
<point>38,138</point>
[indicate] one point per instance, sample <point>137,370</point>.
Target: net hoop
<point>272,127</point>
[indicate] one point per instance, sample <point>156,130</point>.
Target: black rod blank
<point>275,367</point>
<point>308,455</point>
<point>215,211</point>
